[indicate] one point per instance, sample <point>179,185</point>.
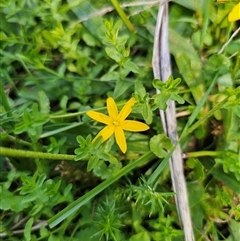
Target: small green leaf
<point>110,76</point>
<point>20,127</point>
<point>160,145</point>
<point>103,156</point>
<point>56,185</point>
<point>5,196</point>
<point>141,236</point>
<point>112,159</point>
<point>217,63</point>
<point>177,98</point>
<point>121,88</point>
<point>53,238</point>
<point>147,113</point>
<point>96,144</point>
<point>158,84</point>
<point>36,209</point>
<point>234,227</point>
<point>30,198</point>
<point>81,141</point>
<point>113,54</point>
<point>129,65</point>
<point>195,164</point>
<point>31,131</point>
<point>41,180</point>
<point>44,232</point>
<point>88,140</point>
<point>93,162</point>
<point>175,82</point>
<point>28,229</point>
<point>89,39</point>
<point>139,89</point>
<point>67,189</point>
<point>35,111</point>
<point>62,141</point>
<point>26,116</point>
<point>81,154</point>
<point>63,102</point>
<point>44,103</point>
<point>161,100</point>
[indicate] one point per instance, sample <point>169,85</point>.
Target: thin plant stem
<point>13,139</point>
<point>231,38</point>
<point>69,115</point>
<point>203,153</point>
<point>209,153</point>
<point>32,154</point>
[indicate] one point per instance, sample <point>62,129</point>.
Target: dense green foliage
<point>60,59</point>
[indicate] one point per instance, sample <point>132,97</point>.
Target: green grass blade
<point>4,100</point>
<point>60,130</point>
<point>123,16</point>
<point>73,207</point>
<point>198,108</point>
<point>188,62</point>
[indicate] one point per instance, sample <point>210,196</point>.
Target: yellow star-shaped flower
<point>234,15</point>
<point>117,123</point>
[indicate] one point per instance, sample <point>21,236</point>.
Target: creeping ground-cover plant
<point>83,152</point>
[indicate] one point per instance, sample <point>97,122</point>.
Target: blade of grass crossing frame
<point>73,207</point>
<point>123,16</point>
<point>198,107</point>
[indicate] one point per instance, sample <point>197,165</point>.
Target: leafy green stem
<point>32,154</point>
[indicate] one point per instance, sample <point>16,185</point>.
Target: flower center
<point>116,123</point>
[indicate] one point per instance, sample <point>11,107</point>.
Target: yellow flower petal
<point>99,117</point>
<point>105,133</point>
<point>120,139</point>
<point>234,15</point>
<point>129,125</point>
<point>112,108</point>
<point>126,110</point>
